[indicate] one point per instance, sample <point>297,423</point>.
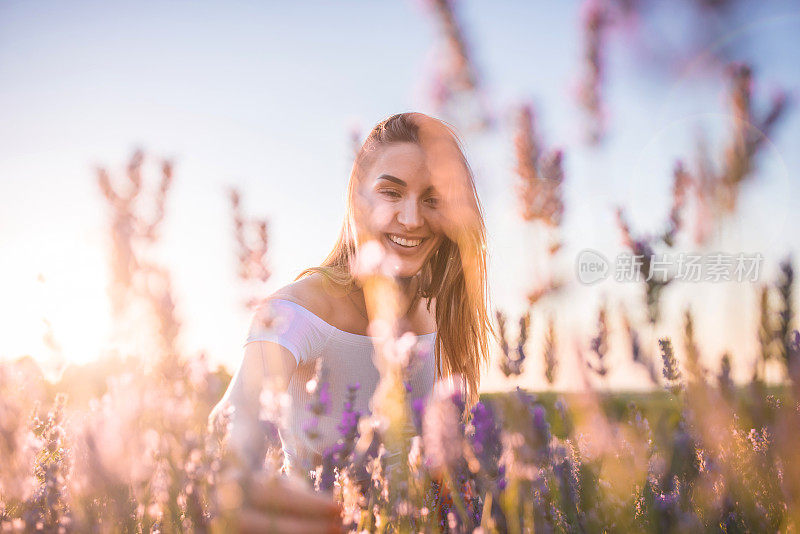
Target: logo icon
<point>591,267</point>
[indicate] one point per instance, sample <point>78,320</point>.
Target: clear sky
<point>262,96</point>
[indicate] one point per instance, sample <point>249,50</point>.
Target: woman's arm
<point>270,503</point>
<point>265,365</point>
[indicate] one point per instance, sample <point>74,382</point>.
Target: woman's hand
<point>281,505</point>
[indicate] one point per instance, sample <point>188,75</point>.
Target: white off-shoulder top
<point>346,359</point>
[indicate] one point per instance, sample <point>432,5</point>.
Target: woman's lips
<point>401,249</point>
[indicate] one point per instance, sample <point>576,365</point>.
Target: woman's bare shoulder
<point>309,292</point>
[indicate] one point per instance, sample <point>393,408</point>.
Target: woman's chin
<point>405,273</point>
<point>400,268</point>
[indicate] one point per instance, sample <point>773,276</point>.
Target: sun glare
<point>54,302</point>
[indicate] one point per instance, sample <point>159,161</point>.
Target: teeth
<point>405,242</point>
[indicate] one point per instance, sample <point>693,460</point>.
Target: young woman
<point>411,201</point>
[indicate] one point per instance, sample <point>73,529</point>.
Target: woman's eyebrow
<point>391,178</point>
<point>400,182</point>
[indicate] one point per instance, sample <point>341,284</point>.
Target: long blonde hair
<point>455,275</point>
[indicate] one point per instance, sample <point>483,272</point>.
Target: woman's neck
<point>407,289</point>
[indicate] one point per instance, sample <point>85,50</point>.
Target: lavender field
<point>610,406</point>
<point>111,447</point>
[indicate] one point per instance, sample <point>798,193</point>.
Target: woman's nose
<point>409,215</point>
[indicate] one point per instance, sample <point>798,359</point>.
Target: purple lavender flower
<point>456,78</point>
<point>681,179</point>
<point>321,400</point>
<point>724,378</point>
<point>599,345</point>
<point>511,363</point>
<point>359,472</point>
<point>311,428</point>
<point>671,372</point>
<point>524,326</point>
<point>327,475</point>
<point>595,21</point>
<point>320,403</point>
<point>550,356</point>
<point>666,502</point>
<point>567,471</point>
<point>485,438</point>
<point>502,481</point>
<point>642,248</point>
<point>783,333</point>
<point>47,508</point>
<point>443,433</point>
<point>538,434</point>
<point>417,413</point>
<point>348,428</point>
<point>793,357</point>
<point>566,421</point>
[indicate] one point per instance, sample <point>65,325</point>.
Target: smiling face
<point>402,207</point>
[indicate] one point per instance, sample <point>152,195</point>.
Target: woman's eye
<point>391,193</point>
<point>433,201</point>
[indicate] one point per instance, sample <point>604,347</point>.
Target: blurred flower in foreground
<point>455,84</point>
<point>443,433</point>
<point>133,236</point>
<point>539,189</point>
<point>717,189</point>
<point>594,21</point>
<point>252,257</point>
